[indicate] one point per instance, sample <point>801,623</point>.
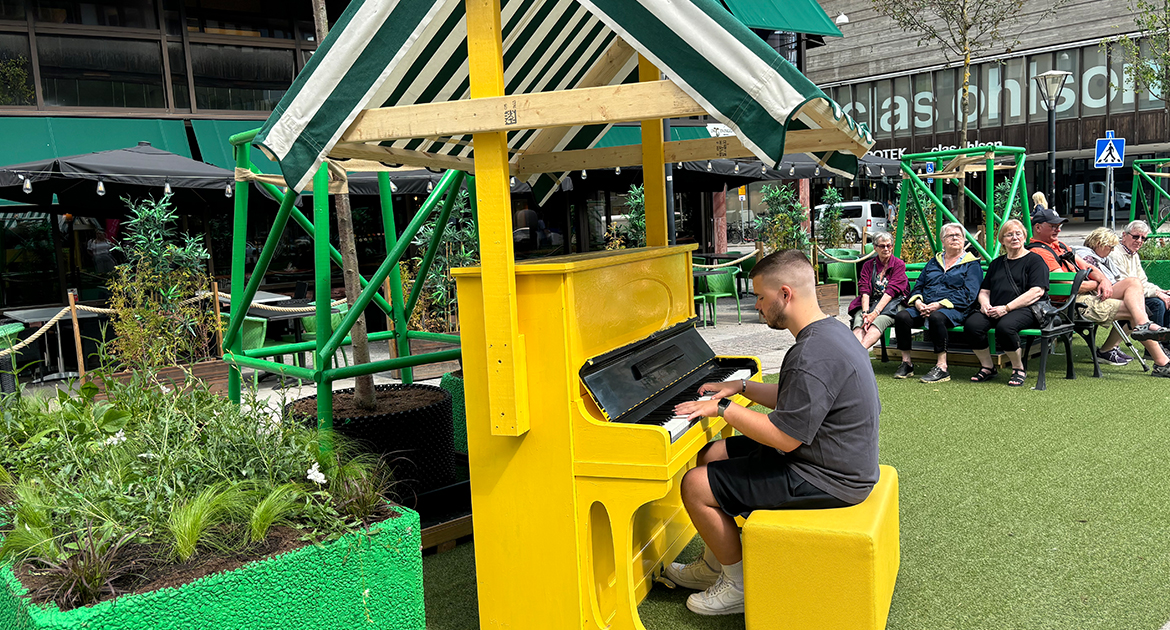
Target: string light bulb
<point>166,188</point>
<point>617,170</point>
<point>680,165</point>
<point>883,171</point>
<point>227,190</point>
<point>27,187</point>
<point>513,180</point>
<point>101,188</point>
<point>584,175</point>
<point>868,173</point>
<point>708,166</point>
<point>737,168</point>
<point>817,172</point>
<point>763,170</point>
<point>430,185</point>
<point>792,170</point>
<point>393,186</point>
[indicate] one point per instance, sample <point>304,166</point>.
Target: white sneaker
<point>697,575</point>
<point>724,598</point>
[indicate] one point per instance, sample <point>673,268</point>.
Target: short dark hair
<point>782,263</point>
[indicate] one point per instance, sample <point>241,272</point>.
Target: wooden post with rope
<point>77,336</point>
<point>218,317</point>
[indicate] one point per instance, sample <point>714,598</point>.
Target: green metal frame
<point>328,341</point>
<point>911,181</point>
<point>1141,177</point>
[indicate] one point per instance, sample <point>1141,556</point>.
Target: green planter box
<point>1158,272</point>
<point>363,580</point>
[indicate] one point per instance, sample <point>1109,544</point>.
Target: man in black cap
<point>1100,303</point>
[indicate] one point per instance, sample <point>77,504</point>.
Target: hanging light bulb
<point>680,165</point>
<point>737,168</point>
<point>868,173</point>
<point>27,187</point>
<point>830,181</point>
<point>763,170</point>
<point>227,191</point>
<point>792,170</point>
<point>818,171</point>
<point>512,181</point>
<point>393,186</point>
<point>584,175</point>
<point>708,166</point>
<point>430,185</point>
<point>883,171</point>
<point>101,189</point>
<point>617,170</point>
<point>166,188</point>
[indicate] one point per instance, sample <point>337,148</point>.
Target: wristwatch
<point>724,403</point>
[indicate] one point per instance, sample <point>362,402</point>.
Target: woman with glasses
<point>945,291</point>
<point>881,288</point>
<point>1013,282</point>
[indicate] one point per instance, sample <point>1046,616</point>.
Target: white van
<point>859,217</point>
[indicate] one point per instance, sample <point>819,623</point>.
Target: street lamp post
<point>1050,84</point>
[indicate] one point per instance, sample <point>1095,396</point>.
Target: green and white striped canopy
<point>387,53</point>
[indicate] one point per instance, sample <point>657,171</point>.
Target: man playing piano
<point>817,449</point>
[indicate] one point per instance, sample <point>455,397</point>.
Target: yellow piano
<point>576,517</point>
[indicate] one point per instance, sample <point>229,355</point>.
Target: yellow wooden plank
<point>507,370</point>
<point>584,106</point>
<point>653,166</point>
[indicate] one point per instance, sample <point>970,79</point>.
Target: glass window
<point>991,80</point>
<point>124,13</point>
<point>179,75</point>
<point>1150,99</point>
<point>863,105</point>
<point>1121,92</point>
<point>239,77</point>
<point>1069,104</point>
<point>882,104</point>
<point>944,94</point>
<point>1015,88</point>
<point>901,107</point>
<point>172,17</point>
<point>12,10</point>
<point>16,83</point>
<point>924,110</point>
<point>88,72</point>
<point>1094,87</point>
<point>1037,107</point>
<point>241,18</point>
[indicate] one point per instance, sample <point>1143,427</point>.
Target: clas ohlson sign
<point>1002,93</point>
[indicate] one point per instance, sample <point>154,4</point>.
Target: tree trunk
<point>363,393</point>
<point>965,104</point>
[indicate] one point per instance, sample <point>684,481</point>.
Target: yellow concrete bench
<point>823,569</point>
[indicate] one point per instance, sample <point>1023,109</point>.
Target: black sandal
<point>985,374</point>
<point>1017,379</point>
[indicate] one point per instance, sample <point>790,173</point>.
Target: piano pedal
<point>662,579</point>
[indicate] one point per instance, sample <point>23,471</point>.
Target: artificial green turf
<point>1019,509</point>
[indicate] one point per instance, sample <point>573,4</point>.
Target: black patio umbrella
<point>95,183</point>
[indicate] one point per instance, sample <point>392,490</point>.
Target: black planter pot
<point>418,441</point>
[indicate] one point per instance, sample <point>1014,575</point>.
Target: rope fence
<point>731,263</point>
<point>108,311</point>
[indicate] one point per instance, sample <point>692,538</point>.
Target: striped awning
<point>392,53</point>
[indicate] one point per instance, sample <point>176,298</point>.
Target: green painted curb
<point>369,579</point>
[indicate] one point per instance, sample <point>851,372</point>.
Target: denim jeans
<point>1158,312</point>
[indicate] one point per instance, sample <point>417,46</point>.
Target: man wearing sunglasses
<point>1125,258</point>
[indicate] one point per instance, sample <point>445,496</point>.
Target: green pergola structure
<point>959,162</point>
<point>329,340</point>
<point>1145,172</point>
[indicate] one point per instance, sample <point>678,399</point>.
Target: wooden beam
<point>565,108</point>
<point>390,155</point>
<point>728,147</point>
<point>820,113</point>
<point>653,166</point>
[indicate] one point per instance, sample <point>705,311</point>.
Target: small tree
<point>781,224</point>
<point>829,229</point>
<point>915,243</point>
<point>634,232</point>
<point>1146,55</point>
<point>155,320</point>
<point>964,29</point>
<point>459,248</point>
<point>1001,192</point>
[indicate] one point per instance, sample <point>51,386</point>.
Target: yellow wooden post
<point>507,372</point>
<point>653,167</point>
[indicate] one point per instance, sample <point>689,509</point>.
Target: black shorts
<point>757,477</point>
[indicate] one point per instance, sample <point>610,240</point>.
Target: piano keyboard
<point>664,416</point>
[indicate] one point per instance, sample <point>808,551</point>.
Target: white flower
<point>116,438</point>
<point>315,475</point>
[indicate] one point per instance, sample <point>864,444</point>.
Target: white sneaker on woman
<point>723,598</point>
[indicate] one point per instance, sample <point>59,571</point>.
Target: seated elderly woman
<point>945,290</point>
<point>881,288</point>
<point>1013,282</point>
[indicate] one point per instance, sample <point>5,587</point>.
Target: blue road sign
<point>930,169</point>
<point>1110,152</point>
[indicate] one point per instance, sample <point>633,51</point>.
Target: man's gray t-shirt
<point>828,400</point>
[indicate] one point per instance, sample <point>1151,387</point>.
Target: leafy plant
<point>1001,193</point>
<point>830,232</point>
<point>459,248</point>
<point>157,320</point>
<point>780,226</point>
<point>633,233</point>
<point>190,524</point>
<point>278,506</point>
<point>90,572</point>
<point>916,245</point>
<point>1145,55</point>
<point>360,487</point>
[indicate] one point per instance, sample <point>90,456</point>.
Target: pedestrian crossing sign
<point>1110,152</point>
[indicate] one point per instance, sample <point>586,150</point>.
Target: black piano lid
<point>621,379</point>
